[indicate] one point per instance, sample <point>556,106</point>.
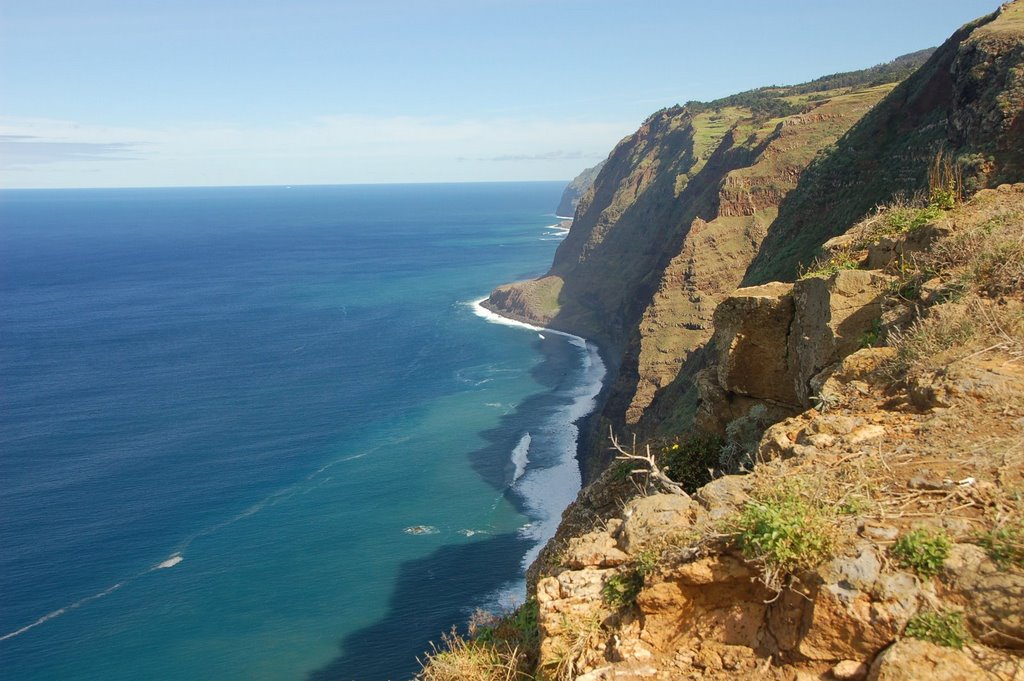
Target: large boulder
<point>751,328</point>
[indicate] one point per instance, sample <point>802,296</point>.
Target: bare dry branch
<point>653,470</point>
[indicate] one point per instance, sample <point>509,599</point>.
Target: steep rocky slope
<point>965,100</point>
<point>665,232</point>
<point>972,83</point>
<point>677,217</point>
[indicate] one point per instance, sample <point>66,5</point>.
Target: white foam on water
<point>494,318</point>
<point>421,529</point>
<point>548,491</point>
<point>520,456</point>
<point>60,611</point>
<point>170,562</point>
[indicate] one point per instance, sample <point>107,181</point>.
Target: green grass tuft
<point>840,260</point>
<point>621,589</point>
<point>943,627</point>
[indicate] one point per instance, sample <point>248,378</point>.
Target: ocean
<point>265,433</point>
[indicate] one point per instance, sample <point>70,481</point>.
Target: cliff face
<point>965,101</point>
<point>877,535</point>
<point>707,197</point>
<point>671,222</point>
<point>575,190</point>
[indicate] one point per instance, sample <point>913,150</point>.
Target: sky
<point>129,93</point>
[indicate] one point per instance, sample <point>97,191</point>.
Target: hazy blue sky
<point>223,92</point>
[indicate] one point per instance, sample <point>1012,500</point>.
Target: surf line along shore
<point>547,491</point>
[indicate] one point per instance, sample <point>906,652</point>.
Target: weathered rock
<point>568,605</point>
<point>730,609</point>
<point>864,365</point>
<point>830,317</point>
<point>594,549</point>
<point>847,620</point>
<point>849,670</point>
<point>994,596</point>
<point>718,407</point>
<point>913,660</point>
<point>751,331</point>
<point>889,250</point>
<point>650,519</point>
<point>724,496</point>
<point>712,569</point>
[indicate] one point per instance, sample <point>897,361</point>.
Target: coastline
<point>547,491</point>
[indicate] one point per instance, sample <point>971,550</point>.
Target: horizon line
<point>283,185</point>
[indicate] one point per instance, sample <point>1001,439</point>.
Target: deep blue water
<point>224,410</point>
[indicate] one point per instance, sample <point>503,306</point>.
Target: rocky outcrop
<point>700,607</point>
<point>773,340</point>
<point>575,190</point>
<point>672,220</point>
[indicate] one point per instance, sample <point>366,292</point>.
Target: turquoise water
<point>262,433</point>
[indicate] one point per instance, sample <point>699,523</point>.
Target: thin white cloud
<point>325,149</point>
<point>17,151</point>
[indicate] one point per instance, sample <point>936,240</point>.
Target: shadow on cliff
<point>431,595</point>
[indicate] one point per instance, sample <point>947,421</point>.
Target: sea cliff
<point>811,299</point>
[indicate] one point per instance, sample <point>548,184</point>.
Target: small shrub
<point>922,551</point>
<point>943,627</point>
<point>945,183</point>
<point>742,437</point>
<point>687,459</point>
<point>901,219</point>
<point>785,535</point>
<point>646,562</point>
<point>1005,545</point>
<point>621,589</point>
<point>825,402</point>
<point>622,471</point>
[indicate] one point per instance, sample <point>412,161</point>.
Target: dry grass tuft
<point>459,659</point>
<point>987,257</point>
<point>954,331</point>
<point>580,635</point>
